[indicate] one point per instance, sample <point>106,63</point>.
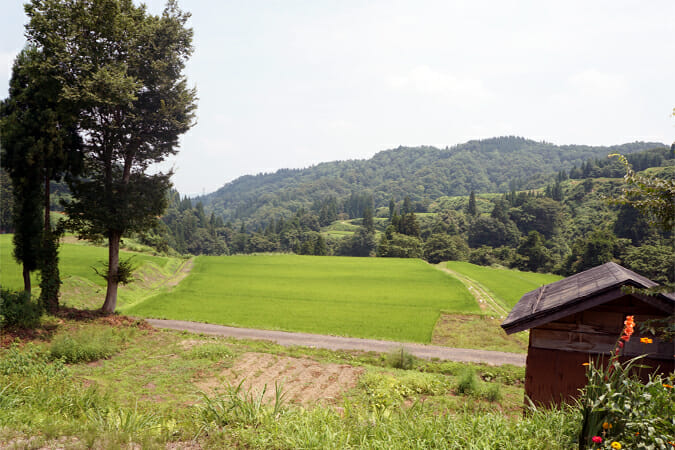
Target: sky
<point>289,84</point>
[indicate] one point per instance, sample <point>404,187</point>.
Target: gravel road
<point>345,343</point>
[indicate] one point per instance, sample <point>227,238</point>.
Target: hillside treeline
<point>569,223</point>
<point>422,173</point>
<point>567,226</point>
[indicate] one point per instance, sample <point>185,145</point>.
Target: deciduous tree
<point>653,196</point>
<point>122,67</point>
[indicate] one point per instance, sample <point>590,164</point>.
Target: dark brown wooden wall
<point>558,349</point>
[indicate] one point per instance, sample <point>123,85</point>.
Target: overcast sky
<point>294,83</point>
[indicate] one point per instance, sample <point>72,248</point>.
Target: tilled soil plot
<point>303,381</point>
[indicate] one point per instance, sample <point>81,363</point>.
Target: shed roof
<point>574,294</point>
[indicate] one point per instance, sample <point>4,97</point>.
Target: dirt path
<point>181,273</point>
<point>482,296</point>
<point>288,339</point>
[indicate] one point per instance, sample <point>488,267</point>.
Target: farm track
<point>289,339</point>
<point>482,296</point>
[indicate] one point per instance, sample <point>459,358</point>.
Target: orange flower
<point>606,425</point>
<point>646,340</point>
<point>629,324</point>
<point>586,364</point>
<point>667,386</point>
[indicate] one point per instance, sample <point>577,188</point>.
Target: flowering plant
<point>622,411</point>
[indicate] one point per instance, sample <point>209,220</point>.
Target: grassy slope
<point>508,285</point>
<point>393,299</point>
<point>82,287</point>
<point>148,393</point>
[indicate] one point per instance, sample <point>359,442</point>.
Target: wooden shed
<point>581,317</point>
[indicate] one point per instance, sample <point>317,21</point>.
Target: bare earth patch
<point>304,381</point>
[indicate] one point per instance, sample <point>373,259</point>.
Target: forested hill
<point>422,173</point>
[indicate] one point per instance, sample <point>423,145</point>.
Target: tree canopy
<point>122,68</point>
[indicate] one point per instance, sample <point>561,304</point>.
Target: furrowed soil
<point>303,380</point>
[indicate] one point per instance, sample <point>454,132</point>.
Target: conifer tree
<point>471,207</point>
<point>39,144</point>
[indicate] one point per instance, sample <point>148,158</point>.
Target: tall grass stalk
<point>240,406</point>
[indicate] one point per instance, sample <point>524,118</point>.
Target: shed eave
<point>662,302</point>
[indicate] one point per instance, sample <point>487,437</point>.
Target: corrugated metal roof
<point>574,289</point>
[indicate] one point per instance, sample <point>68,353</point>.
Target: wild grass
<point>404,428</point>
<point>212,352</point>
<point>82,287</point>
<point>468,383</point>
<point>507,284</point>
<point>477,331</point>
<point>238,405</point>
<point>400,359</point>
<point>86,345</point>
<point>147,395</point>
<point>360,297</point>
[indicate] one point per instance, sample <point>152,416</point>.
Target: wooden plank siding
<point>558,349</point>
<point>553,377</point>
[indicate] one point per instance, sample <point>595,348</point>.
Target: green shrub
<point>385,391</point>
<point>85,345</point>
<point>468,382</point>
<point>400,359</point>
<point>18,310</point>
<point>493,393</point>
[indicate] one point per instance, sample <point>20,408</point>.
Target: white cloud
<point>425,80</point>
<point>600,83</point>
<point>335,125</point>
<point>6,61</point>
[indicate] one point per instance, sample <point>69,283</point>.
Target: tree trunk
<point>113,268</point>
<point>26,279</point>
<point>48,222</point>
<point>49,264</point>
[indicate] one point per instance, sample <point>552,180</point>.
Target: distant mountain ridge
<point>422,173</point>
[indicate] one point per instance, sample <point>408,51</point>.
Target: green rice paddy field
<point>385,298</point>
<point>395,299</point>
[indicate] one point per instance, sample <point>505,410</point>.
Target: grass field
<point>393,299</point>
<point>508,285</point>
<point>82,287</point>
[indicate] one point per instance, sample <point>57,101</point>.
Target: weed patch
<point>468,383</point>
<point>400,359</point>
<point>86,345</point>
<point>17,309</point>
<point>240,406</point>
<point>213,352</point>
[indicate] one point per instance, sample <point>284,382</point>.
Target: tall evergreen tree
<point>39,144</point>
<point>471,207</point>
<point>368,221</point>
